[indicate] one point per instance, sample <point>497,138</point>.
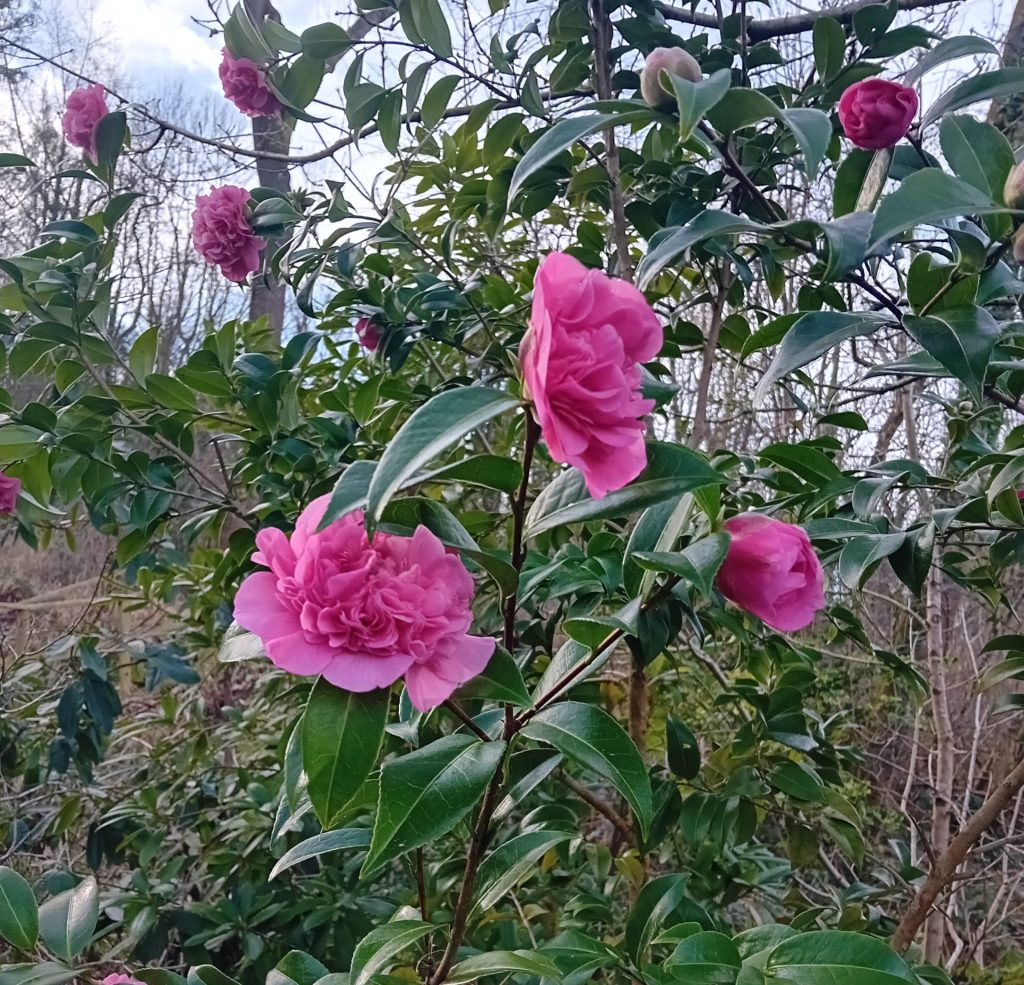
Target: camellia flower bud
<point>877,113</point>
<point>1018,245</point>
<point>675,61</point>
<point>1013,190</point>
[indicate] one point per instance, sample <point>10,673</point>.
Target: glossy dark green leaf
<point>946,50</point>
<point>975,89</point>
<point>812,336</point>
<point>296,968</point>
<point>441,422</point>
<point>977,152</point>
<point>435,102</point>
<point>325,41</point>
<point>43,973</point>
<point>705,958</point>
<point>566,132</point>
<point>321,844</point>
<point>694,99</point>
<point>67,922</point>
<point>671,470</point>
<point>8,160</point>
<point>595,740</point>
<point>835,957</point>
<point>377,951</point>
<point>501,680</point>
<point>342,733</point>
<point>683,749</point>
<point>169,392</point>
<point>19,916</point>
<point>425,793</point>
<point>513,861</point>
<point>531,963</point>
<point>829,40</point>
<point>698,563</point>
<point>654,906</point>
<point>961,339</point>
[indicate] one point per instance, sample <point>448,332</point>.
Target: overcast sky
<point>159,37</point>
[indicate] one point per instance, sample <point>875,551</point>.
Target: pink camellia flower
<point>245,84</point>
<point>116,979</point>
<point>368,334</point>
<point>221,232</point>
<point>9,489</point>
<point>588,333</point>
<point>82,113</point>
<point>877,113</point>
<point>772,571</point>
<point>363,613</point>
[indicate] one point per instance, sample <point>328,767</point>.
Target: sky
<point>158,39</point>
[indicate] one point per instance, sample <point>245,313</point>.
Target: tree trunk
<point>944,773</point>
<point>270,134</point>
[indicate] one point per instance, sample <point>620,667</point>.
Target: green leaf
<point>321,844</point>
<point>829,41</point>
<point>976,89</point>
<point>961,339</point>
<point>503,963</point>
<point>683,749</point>
<point>594,739</point>
<point>439,423</point>
<point>436,100</point>
<point>431,26</point>
<point>1012,668</point>
<point>142,355</point>
<point>169,392</point>
<point>671,243</point>
<point>565,133</point>
<point>698,563</point>
<point>694,99</point>
<point>8,160</point>
<point>111,133</point>
<point>350,492</point>
<point>798,781</point>
<point>501,680</point>
<point>206,974</point>
<point>67,922</point>
<point>19,916</point>
<point>296,968</point>
<point>425,793</point>
<point>835,957</point>
<point>325,41</point>
<point>44,973</point>
<point>302,81</point>
<point>654,906</point>
<point>811,128</point>
<point>861,555</point>
<point>238,645</point>
<point>705,958</point>
<point>378,949</point>
<point>977,152</point>
<point>671,470</point>
<point>925,198</point>
<point>810,337</point>
<point>947,50</point>
<point>342,733</point>
<point>512,861</point>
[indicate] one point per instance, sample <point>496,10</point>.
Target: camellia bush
<point>461,545</point>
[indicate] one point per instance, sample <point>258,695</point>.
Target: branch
<point>235,151</point>
<point>795,24</point>
<point>603,808</point>
<point>946,865</point>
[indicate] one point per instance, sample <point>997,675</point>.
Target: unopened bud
<point>1018,245</point>
<point>675,61</point>
<point>1013,190</point>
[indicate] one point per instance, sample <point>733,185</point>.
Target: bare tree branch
<point>776,27</point>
